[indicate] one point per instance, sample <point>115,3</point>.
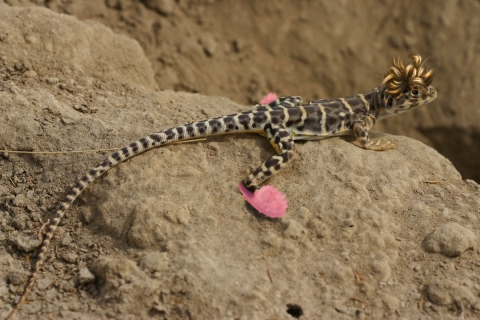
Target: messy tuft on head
<point>398,77</point>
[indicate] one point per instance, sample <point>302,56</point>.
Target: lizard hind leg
<point>282,142</point>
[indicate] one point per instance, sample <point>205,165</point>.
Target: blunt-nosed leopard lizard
<point>282,121</point>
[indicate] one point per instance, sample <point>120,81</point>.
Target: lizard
<point>282,122</point>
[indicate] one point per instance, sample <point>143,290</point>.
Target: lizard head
<point>407,87</point>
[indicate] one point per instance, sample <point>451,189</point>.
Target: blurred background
<point>243,49</point>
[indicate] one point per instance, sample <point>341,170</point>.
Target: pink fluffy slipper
<point>269,98</point>
<point>267,200</point>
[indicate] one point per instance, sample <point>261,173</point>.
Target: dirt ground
<point>166,235</point>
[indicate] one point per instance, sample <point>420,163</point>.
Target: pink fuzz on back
<point>269,98</point>
<point>268,200</point>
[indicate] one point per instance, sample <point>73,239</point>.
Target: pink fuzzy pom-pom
<point>268,200</point>
<point>269,98</point>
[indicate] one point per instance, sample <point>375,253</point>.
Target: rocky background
<point>166,235</point>
<point>315,49</point>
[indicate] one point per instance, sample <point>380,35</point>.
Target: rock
<point>450,239</point>
<point>70,256</point>
<point>44,283</point>
<point>391,303</point>
<point>381,270</point>
<point>20,220</point>
<point>18,277</point>
<point>51,80</point>
<point>26,243</point>
<point>146,231</point>
<point>84,276</point>
<point>66,239</point>
<point>154,262</point>
<point>124,284</point>
<point>446,292</point>
<point>162,6</point>
<point>208,43</point>
<point>3,290</point>
<point>30,73</point>
<point>68,286</point>
<point>224,261</point>
<point>293,229</point>
<point>19,200</point>
<point>318,228</point>
<point>107,270</point>
<point>74,36</point>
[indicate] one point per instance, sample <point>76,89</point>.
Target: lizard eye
<point>415,92</point>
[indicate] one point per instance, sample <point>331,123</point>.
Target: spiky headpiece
<point>398,77</point>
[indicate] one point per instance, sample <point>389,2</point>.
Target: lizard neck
<point>375,98</point>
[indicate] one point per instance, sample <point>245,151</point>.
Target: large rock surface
<point>315,49</point>
<point>167,235</point>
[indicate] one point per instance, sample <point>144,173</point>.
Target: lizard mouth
<point>432,93</point>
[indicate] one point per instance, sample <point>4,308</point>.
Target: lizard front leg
<point>282,141</point>
<point>360,129</point>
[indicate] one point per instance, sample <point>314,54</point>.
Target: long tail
<point>203,128</point>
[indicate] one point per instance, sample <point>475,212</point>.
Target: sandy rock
<point>163,6</point>
<point>51,80</point>
<point>146,229</point>
<point>107,269</point>
<point>122,282</point>
<point>70,257</point>
<point>17,277</point>
<point>19,200</point>
<point>66,239</point>
<point>446,292</point>
<point>67,286</point>
<point>26,243</point>
<point>318,228</point>
<point>391,302</point>
<point>450,239</point>
<point>44,283</point>
<point>154,262</point>
<point>83,48</point>
<point>3,290</point>
<point>350,243</point>
<point>84,276</point>
<point>293,229</point>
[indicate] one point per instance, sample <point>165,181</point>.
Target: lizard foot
<point>379,145</point>
<point>267,200</point>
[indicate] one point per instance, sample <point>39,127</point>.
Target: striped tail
<point>193,130</point>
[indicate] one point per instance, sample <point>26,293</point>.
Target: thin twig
<point>94,150</point>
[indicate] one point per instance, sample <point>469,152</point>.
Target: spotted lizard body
<point>282,121</point>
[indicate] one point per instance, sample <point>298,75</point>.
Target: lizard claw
<point>380,146</point>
